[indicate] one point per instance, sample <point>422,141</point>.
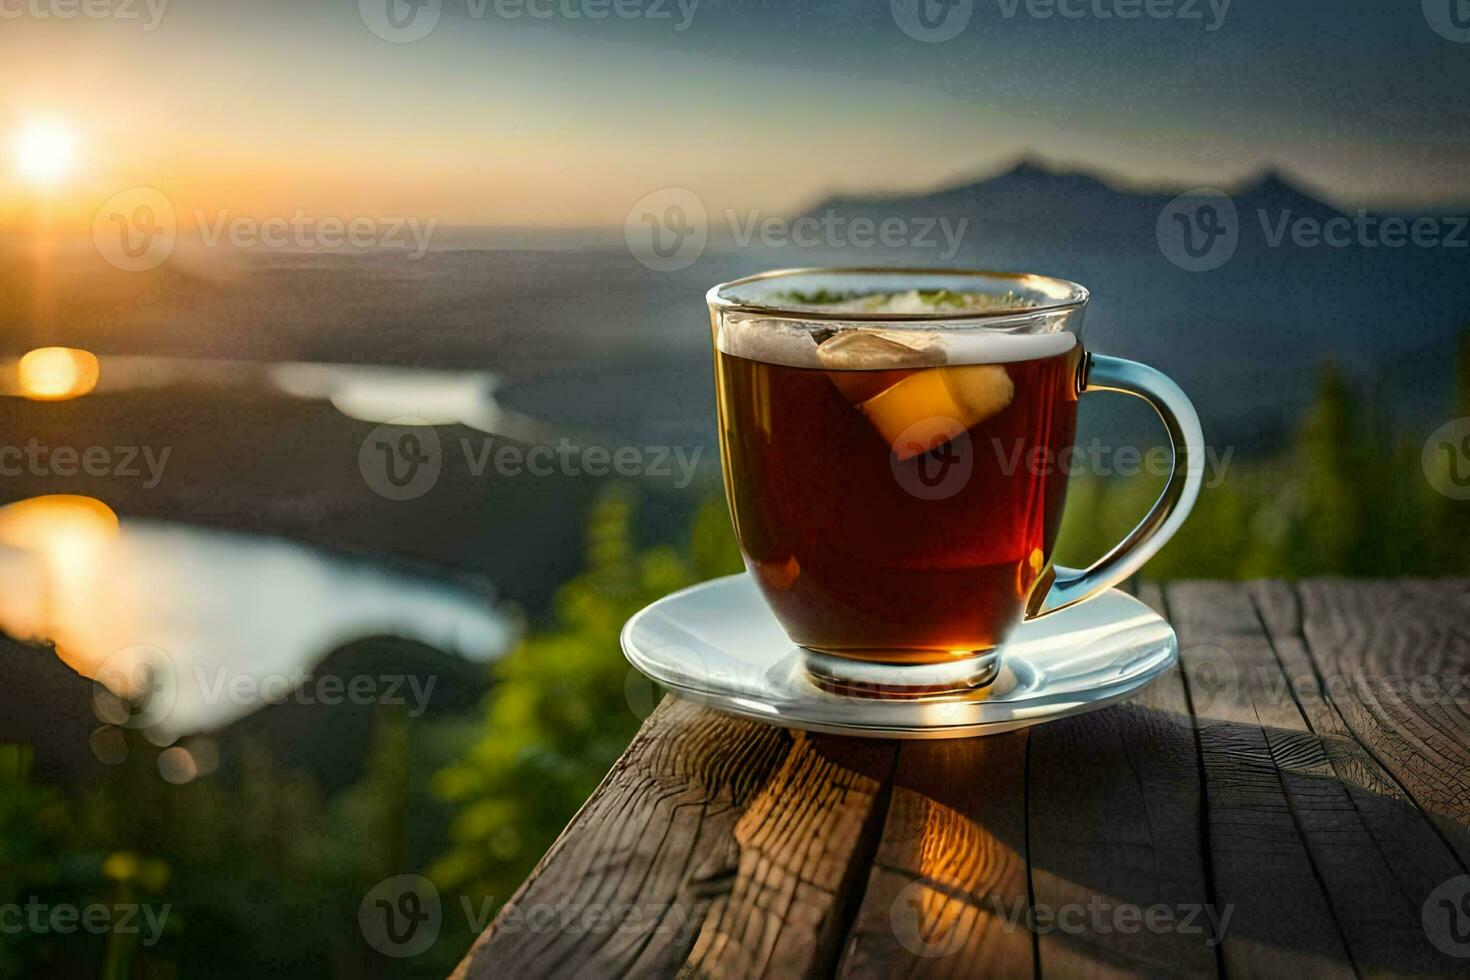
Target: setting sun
<point>44,152</point>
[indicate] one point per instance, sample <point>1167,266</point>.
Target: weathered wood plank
<point>716,846</point>
<point>804,845</point>
<point>1212,609</point>
<point>1281,922</point>
<point>1114,825</point>
<point>1114,817</point>
<point>1289,805</point>
<point>1395,657</point>
<point>1369,853</point>
<point>1404,843</point>
<point>947,893</point>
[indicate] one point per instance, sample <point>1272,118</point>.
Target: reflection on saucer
<point>718,643</point>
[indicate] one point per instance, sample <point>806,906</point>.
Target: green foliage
<point>566,704</point>
<point>1346,498</point>
<point>31,820</point>
<point>41,868</point>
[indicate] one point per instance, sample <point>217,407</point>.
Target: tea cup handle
<point>1099,372</point>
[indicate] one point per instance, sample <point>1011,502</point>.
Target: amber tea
<point>879,481</point>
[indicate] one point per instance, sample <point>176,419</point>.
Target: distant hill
<point>1245,339</point>
<point>1031,198</point>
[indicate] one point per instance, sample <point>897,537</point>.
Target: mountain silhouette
<point>1246,337</point>
<point>1033,198</point>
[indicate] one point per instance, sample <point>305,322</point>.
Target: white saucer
<point>719,644</point>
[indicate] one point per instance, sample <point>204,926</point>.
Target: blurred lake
<point>220,623</point>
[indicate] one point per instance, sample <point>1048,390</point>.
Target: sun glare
<point>52,374</point>
<point>44,152</point>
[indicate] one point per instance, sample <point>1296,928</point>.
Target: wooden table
<point>1292,801</point>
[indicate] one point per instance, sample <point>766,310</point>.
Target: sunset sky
<point>277,105</point>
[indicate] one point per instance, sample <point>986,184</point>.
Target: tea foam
<point>792,345</point>
<point>777,341</point>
